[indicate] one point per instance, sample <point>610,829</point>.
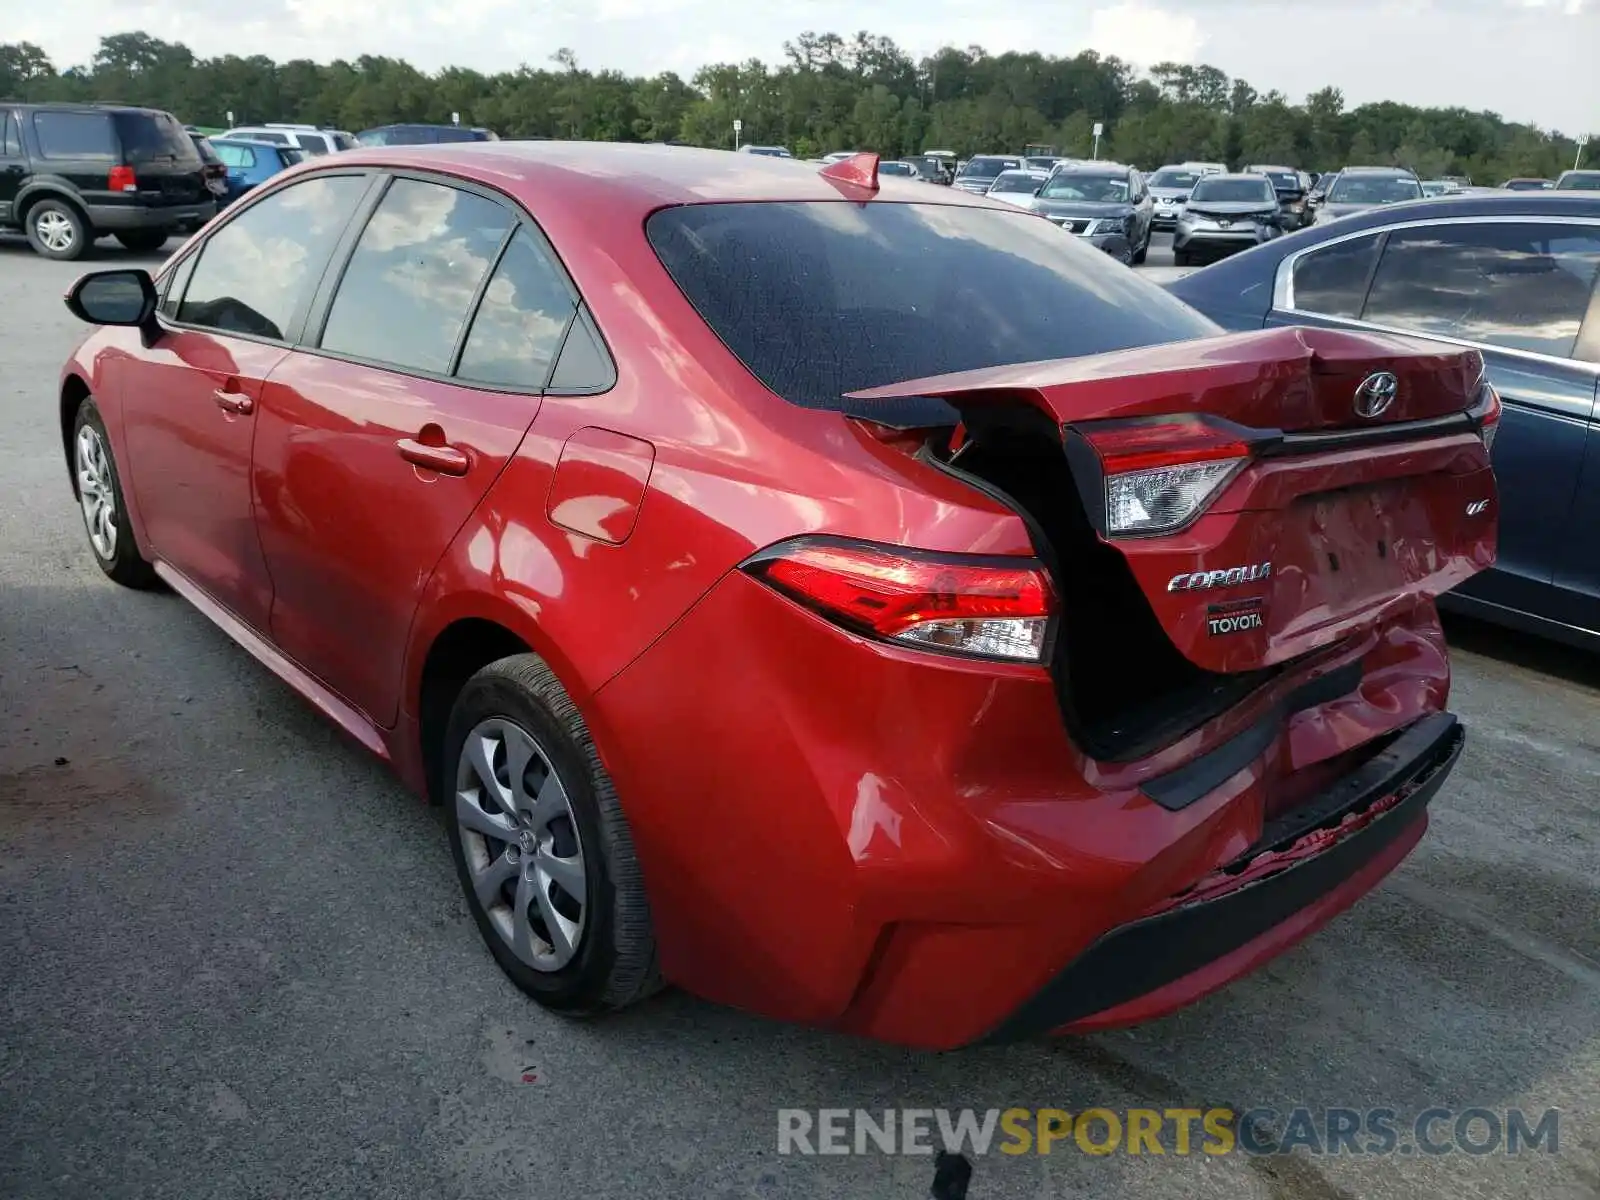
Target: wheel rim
<point>521,843</point>
<point>55,230</point>
<point>97,493</point>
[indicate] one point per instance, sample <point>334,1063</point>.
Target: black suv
<point>70,173</point>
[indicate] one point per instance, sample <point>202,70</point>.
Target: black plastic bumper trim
<point>1203,775</point>
<point>1143,956</point>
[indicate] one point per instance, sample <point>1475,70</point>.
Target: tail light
<point>997,608</point>
<point>121,180</point>
<point>1156,475</point>
<point>1489,423</point>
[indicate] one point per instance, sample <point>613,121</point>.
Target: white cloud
<point>1146,35</point>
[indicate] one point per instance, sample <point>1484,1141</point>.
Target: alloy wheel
<point>521,842</point>
<point>97,492</point>
<point>55,231</point>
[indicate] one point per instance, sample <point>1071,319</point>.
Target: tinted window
<point>821,299</point>
<point>519,323</point>
<point>1233,191</point>
<point>1524,286</point>
<point>1333,280</point>
<point>11,136</point>
<point>1097,189</point>
<point>277,139</point>
<point>1173,179</point>
<point>1579,181</point>
<point>896,168</point>
<point>256,270</point>
<point>410,284</point>
<point>312,143</point>
<point>288,156</point>
<point>153,137</point>
<point>75,135</point>
<point>204,149</point>
<point>584,364</point>
<point>1373,189</point>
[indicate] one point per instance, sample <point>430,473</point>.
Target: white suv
<point>307,138</point>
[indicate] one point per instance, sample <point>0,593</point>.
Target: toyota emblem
<point>1376,394</point>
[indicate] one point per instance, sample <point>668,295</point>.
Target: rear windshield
<point>819,299</point>
<point>988,168</point>
<point>80,135</point>
<point>154,137</point>
<point>1373,189</point>
<point>1232,191</point>
<point>1173,179</point>
<point>1092,189</point>
<point>1580,181</point>
<point>1286,181</point>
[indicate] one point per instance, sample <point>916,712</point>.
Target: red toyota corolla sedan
<point>858,604</point>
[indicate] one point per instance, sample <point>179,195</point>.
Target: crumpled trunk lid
<point>1360,478</point>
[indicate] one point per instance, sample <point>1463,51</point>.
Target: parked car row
<point>71,174</point>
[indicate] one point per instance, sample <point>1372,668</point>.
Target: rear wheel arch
<point>28,199</point>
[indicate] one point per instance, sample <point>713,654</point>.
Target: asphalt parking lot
<point>234,963</point>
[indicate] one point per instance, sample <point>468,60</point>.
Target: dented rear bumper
<point>1314,860</point>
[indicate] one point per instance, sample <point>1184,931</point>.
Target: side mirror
<point>121,297</point>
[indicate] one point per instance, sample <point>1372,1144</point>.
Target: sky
<point>1529,60</point>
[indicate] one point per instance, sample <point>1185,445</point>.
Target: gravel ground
<point>233,961</point>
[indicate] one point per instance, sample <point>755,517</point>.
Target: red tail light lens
<point>1160,473</point>
<point>979,607</point>
<point>121,180</point>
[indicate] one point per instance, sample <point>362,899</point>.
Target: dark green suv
<point>71,173</point>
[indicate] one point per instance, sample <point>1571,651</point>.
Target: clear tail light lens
<point>1161,473</point>
<point>1491,416</point>
<point>992,608</point>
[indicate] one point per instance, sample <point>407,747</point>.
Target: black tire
<point>124,565</point>
<point>74,236</point>
<point>1143,252</point>
<point>614,962</point>
<point>143,241</point>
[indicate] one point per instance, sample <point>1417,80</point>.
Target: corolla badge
<point>1201,581</point>
<point>1375,394</point>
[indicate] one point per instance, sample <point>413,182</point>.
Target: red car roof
<point>648,176</point>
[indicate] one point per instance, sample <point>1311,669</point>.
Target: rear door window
<point>820,299</point>
<point>76,135</point>
<point>1524,286</point>
<point>411,282</point>
<point>257,272</point>
<point>1333,280</point>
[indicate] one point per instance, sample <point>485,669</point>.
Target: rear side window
<point>1333,280</point>
<point>312,143</point>
<point>154,137</point>
<point>236,156</point>
<point>11,137</point>
<point>1522,286</point>
<point>819,299</point>
<point>520,321</point>
<point>410,283</point>
<point>79,135</point>
<point>258,270</point>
